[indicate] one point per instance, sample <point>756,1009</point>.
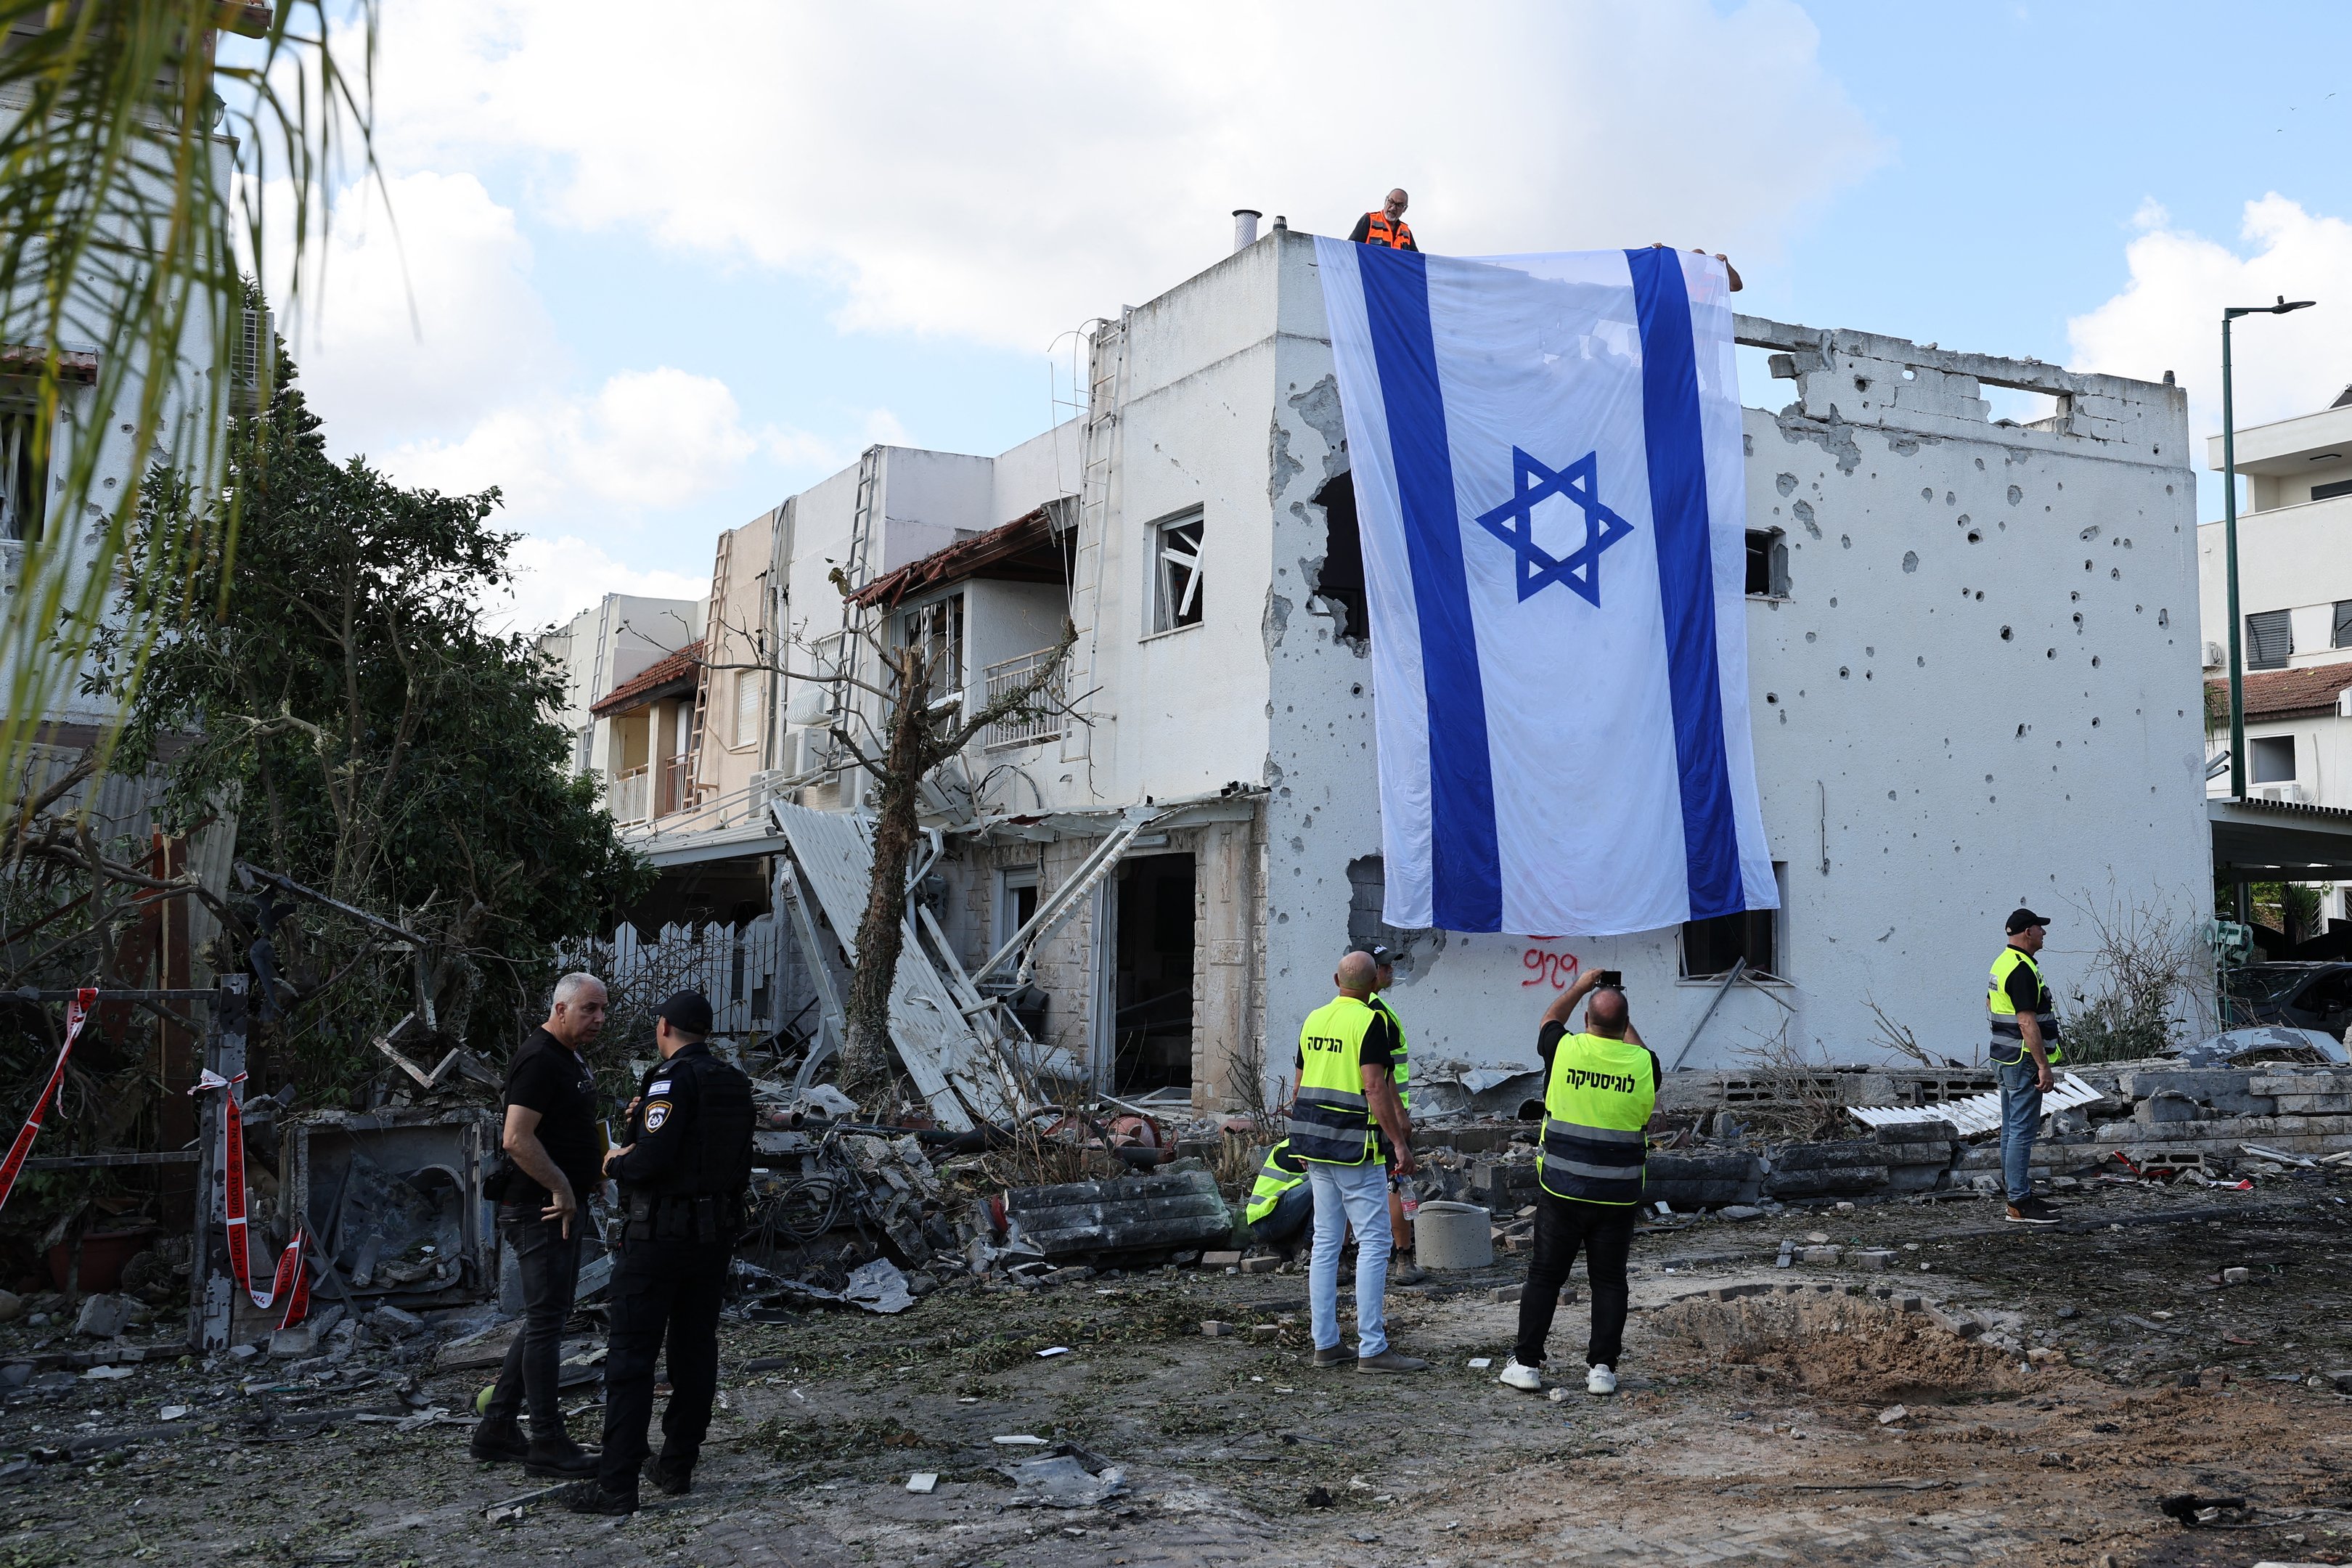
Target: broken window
<point>937,630</point>
<point>2274,759</point>
<point>1341,583</point>
<point>2270,640</point>
<point>1176,573</point>
<point>23,474</point>
<point>1768,563</point>
<point>1368,888</point>
<point>1711,947</point>
<point>1016,900</point>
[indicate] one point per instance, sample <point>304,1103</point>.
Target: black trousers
<point>661,1289</point>
<point>549,1264</point>
<point>1605,1232</point>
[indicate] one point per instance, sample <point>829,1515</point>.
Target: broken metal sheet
<point>2265,1043</point>
<point>878,1286</point>
<point>1975,1114</point>
<point>1062,1481</point>
<point>937,1045</point>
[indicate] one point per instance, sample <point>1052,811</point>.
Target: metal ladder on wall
<point>1106,390</point>
<point>713,627</point>
<point>856,571</point>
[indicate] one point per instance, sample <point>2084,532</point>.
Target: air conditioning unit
<point>2213,656</point>
<point>805,750</point>
<point>2289,793</point>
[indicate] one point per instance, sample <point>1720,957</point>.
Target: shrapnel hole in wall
<point>1340,584</point>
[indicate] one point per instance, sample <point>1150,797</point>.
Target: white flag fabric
<point>1550,481</point>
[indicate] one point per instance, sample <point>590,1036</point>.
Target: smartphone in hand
<point>1614,979</point>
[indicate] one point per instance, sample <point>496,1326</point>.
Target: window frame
<point>1166,619</point>
<point>2257,622</point>
<point>745,715</point>
<point>19,430</point>
<point>1776,562</point>
<point>1773,971</point>
<point>2260,746</point>
<point>922,624</point>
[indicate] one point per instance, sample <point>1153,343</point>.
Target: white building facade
<point>1975,685</point>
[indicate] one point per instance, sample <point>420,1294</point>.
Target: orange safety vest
<point>1380,231</point>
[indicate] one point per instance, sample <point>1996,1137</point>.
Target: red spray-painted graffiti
<point>1557,970</point>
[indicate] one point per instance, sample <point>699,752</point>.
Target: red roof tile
<point>2277,693</point>
<point>678,670</point>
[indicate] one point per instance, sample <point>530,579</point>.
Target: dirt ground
<point>1749,1429</point>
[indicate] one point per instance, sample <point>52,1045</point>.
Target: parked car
<point>2298,996</point>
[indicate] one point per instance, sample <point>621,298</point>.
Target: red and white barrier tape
<point>291,1279</point>
<point>77,1013</point>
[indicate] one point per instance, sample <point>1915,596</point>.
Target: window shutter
<point>2270,640</point>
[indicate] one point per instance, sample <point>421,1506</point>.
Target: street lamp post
<point>2230,538</point>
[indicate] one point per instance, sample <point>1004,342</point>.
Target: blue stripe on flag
<point>1465,873</point>
<point>1686,579</point>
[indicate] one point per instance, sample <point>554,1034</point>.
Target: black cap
<point>689,1011</point>
<point>1380,955</point>
<point>2025,919</point>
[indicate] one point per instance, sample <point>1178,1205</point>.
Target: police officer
<point>1603,1086</point>
<point>2025,1019</point>
<point>682,1174</point>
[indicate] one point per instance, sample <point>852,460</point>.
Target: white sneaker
<point>1601,1380</point>
<point>1526,1379</point>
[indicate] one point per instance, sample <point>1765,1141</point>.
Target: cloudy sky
<point>650,269</point>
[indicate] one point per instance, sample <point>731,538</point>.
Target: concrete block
<point>1504,1293</point>
<point>1216,1330</point>
<point>1857,1152</point>
<point>2314,1104</point>
<point>1822,1253</point>
<point>1260,1265</point>
<point>1956,1321</point>
<point>103,1317</point>
<point>1219,1261</point>
<point>1265,1333</point>
<point>1877,1260</point>
<point>1808,1183</point>
<point>390,1320</point>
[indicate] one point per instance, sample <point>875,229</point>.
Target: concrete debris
<point>878,1286</point>
<point>1891,1414</point>
<point>923,1482</point>
<point>1178,1203</point>
<point>103,1317</point>
<point>1062,1480</point>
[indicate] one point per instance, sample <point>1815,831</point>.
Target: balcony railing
<point>1042,723</point>
<point>630,791</point>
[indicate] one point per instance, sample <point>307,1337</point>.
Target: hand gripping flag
<point>77,1015</point>
<point>1550,484</point>
<point>289,1279</point>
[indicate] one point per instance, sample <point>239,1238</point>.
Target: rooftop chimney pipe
<point>1245,227</point>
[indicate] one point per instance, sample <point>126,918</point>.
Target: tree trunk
<point>866,1054</point>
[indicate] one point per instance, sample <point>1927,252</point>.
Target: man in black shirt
<point>683,1172</point>
<point>552,1148</point>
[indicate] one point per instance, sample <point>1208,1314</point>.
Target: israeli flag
<point>1550,480</point>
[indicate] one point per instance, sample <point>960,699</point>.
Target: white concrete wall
<point>2295,558</point>
<point>1044,468</point>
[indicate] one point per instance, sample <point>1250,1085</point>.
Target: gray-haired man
<point>553,1155</point>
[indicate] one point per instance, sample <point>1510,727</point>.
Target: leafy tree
<point>375,742</point>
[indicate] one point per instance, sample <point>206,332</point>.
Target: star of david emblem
<point>1513,523</point>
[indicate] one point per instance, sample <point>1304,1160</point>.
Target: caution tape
<point>290,1280</point>
<point>77,1013</point>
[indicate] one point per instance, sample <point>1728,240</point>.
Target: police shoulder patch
<point>656,1112</point>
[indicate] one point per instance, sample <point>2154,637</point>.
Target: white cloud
<point>825,454</point>
<point>2168,315</point>
<point>646,441</point>
<point>557,577</point>
<point>421,331</point>
<point>1002,171</point>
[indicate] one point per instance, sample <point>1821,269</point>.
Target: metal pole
<point>2230,550</point>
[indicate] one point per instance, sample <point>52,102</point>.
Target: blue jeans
<point>2020,1119</point>
<point>1345,1195</point>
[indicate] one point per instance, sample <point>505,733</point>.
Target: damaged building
<point>1973,649</point>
